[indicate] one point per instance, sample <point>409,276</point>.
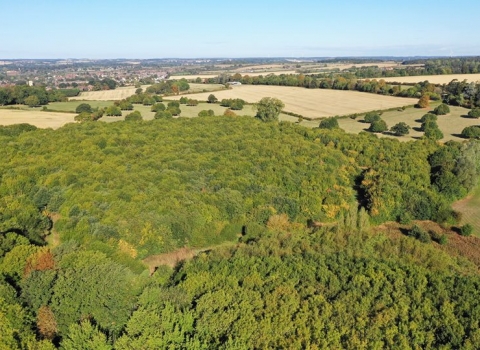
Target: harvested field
<point>312,103</point>
<point>35,117</point>
<point>434,79</point>
<point>107,95</point>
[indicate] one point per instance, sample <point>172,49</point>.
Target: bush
<point>471,132</point>
<point>474,113</point>
<point>466,230</point>
<point>371,117</point>
<point>442,109</point>
<point>183,100</point>
<point>83,107</point>
<point>205,113</point>
<point>420,234</point>
<point>163,115</point>
<point>113,111</point>
<point>212,98</point>
<point>192,102</point>
<point>158,107</point>
<point>433,132</point>
<point>229,113</point>
<point>329,123</point>
<point>378,126</point>
<point>428,117</point>
<point>400,129</point>
<point>423,102</point>
<point>134,116</point>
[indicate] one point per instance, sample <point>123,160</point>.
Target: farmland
<point>124,92</point>
<point>35,117</point>
<point>312,103</point>
<point>435,79</point>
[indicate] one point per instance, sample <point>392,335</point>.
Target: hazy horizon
<point>119,29</point>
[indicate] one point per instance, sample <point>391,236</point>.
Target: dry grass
<point>435,79</point>
<point>451,124</point>
<point>107,95</point>
<point>35,117</point>
<point>312,103</point>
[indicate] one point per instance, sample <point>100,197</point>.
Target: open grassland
<point>451,124</point>
<point>194,87</point>
<point>435,79</point>
<point>106,95</point>
<point>35,117</point>
<point>312,103</point>
<point>470,209</point>
<point>71,106</point>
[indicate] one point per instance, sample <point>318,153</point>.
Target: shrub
<point>423,102</point>
<point>113,111</point>
<point>163,115</point>
<point>378,126</point>
<point>192,102</point>
<point>205,113</point>
<point>466,230</point>
<point>83,107</point>
<point>400,129</point>
<point>183,100</point>
<point>442,109</point>
<point>329,123</point>
<point>474,113</point>
<point>229,113</point>
<point>420,234</point>
<point>158,107</point>
<point>371,117</point>
<point>134,116</point>
<point>428,117</point>
<point>471,132</point>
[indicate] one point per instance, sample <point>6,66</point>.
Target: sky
<point>141,29</point>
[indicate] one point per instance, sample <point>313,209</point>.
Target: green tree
<point>442,109</point>
<point>206,113</point>
<point>83,107</point>
<point>428,117</point>
<point>400,129</point>
<point>471,132</point>
<point>163,115</point>
<point>371,117</point>
<point>113,111</point>
<point>466,230</point>
<point>212,98</point>
<point>32,101</point>
<point>158,107</point>
<point>432,132</point>
<point>269,108</point>
<point>378,126</point>
<point>134,116</point>
<point>84,336</point>
<point>329,123</point>
<point>474,113</point>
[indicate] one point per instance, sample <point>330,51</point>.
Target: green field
<point>70,106</point>
<point>470,209</point>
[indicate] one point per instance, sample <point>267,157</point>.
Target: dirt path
<point>173,258</point>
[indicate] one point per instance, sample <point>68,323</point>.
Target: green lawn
<point>470,209</point>
<point>70,106</point>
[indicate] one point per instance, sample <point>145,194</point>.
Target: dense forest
<point>302,269</point>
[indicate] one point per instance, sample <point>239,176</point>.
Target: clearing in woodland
<point>470,209</point>
<point>312,103</point>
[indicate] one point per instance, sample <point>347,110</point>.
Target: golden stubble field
<point>311,103</point>
<point>35,117</point>
<point>434,79</point>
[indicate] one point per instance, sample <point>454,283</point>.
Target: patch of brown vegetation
<point>169,259</point>
<point>456,246</point>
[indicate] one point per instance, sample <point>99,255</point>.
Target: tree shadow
<point>456,229</point>
<point>416,128</point>
<point>459,135</point>
<point>404,231</point>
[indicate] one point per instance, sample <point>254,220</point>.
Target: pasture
<point>35,117</point>
<point>312,103</point>
<point>434,79</point>
<point>470,209</point>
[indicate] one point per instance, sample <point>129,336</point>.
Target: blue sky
<point>212,28</point>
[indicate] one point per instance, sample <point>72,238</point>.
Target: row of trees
<point>33,96</point>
